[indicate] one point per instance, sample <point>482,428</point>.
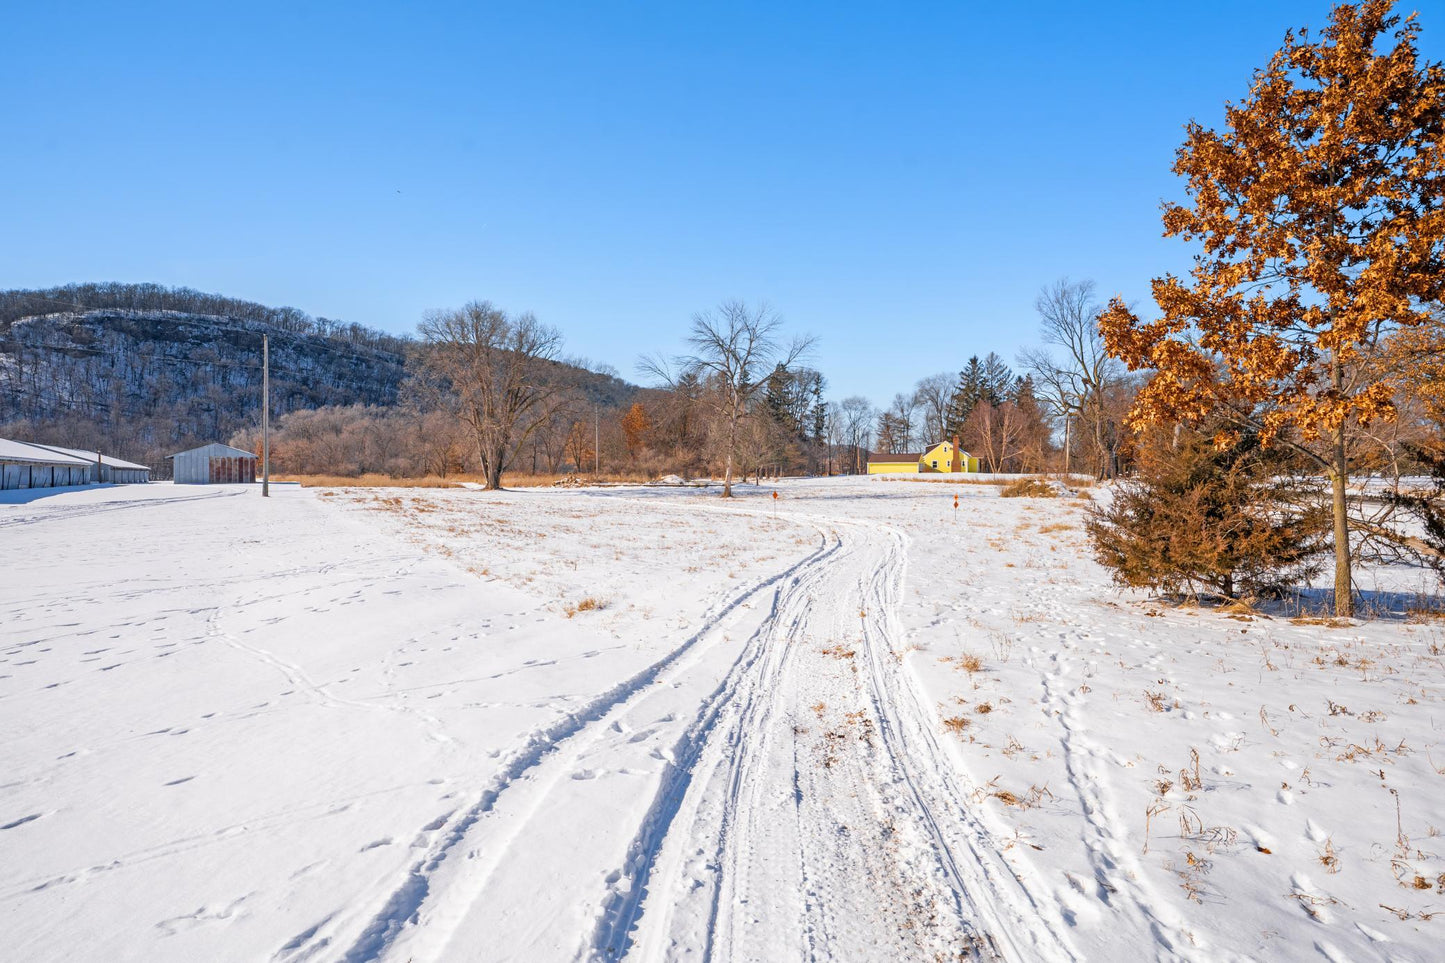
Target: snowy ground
<point>554,725</point>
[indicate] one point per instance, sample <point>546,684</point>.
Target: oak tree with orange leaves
<point>635,426</point>
<point>1320,207</point>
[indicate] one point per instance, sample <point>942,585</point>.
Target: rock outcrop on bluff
<point>150,378</point>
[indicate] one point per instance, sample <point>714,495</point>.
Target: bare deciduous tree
<point>904,411</point>
<point>857,422</point>
<point>735,347</point>
<point>497,367</point>
<point>1075,383</point>
<point>998,434</point>
<point>932,395</point>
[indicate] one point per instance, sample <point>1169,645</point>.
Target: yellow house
<point>941,458</point>
<point>938,459</point>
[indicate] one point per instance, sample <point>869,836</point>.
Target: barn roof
<point>880,456</point>
<point>90,457</point>
<point>17,452</point>
<point>216,450</point>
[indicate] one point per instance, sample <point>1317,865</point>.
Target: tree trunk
<point>1339,479</point>
<point>492,467</point>
<point>1099,441</point>
<point>728,468</point>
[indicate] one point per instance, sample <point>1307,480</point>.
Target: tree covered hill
<point>142,370</point>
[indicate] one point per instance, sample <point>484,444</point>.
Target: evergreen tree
<point>995,380</point>
<point>820,413</point>
<point>1427,507</point>
<point>778,397</point>
<point>1196,517</point>
<point>966,395</point>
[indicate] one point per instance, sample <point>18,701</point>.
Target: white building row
<point>26,465</point>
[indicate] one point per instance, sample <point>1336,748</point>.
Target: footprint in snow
<point>1375,936</point>
<point>1263,841</point>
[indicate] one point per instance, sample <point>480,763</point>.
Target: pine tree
<point>966,395</point>
<point>1427,508</point>
<point>1196,517</point>
<point>778,399</point>
<point>995,380</point>
<point>820,414</point>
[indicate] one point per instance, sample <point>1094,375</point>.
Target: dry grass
<point>1028,488</point>
<point>956,724</point>
<point>1189,778</point>
<point>509,480</point>
<point>524,480</point>
<point>945,477</point>
<point>588,604</point>
<point>370,481</point>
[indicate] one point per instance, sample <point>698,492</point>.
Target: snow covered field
<point>554,725</point>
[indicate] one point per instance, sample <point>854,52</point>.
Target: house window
<point>935,463</point>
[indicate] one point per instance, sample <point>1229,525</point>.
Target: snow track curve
<point>777,788</point>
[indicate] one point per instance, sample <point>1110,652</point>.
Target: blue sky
<point>898,179</point>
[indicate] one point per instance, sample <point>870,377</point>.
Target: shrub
<point>1231,521</point>
<point>1428,509</point>
<point>1029,488</point>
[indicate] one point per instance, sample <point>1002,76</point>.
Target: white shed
<point>214,464</point>
<point>30,466</point>
<point>114,471</point>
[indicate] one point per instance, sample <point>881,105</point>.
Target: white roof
<point>89,457</point>
<point>217,450</point>
<point>19,452</point>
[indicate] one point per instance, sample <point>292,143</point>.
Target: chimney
<point>957,461</point>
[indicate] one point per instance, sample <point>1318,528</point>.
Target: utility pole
<point>596,441</point>
<point>265,417</point>
<point>1067,416</point>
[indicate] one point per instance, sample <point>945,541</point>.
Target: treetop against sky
<point>899,181</point>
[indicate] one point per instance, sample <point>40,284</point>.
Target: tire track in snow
<point>84,511</point>
<point>996,915</point>
<point>860,877</point>
<point>742,696</point>
<point>408,902</point>
<point>1017,924</point>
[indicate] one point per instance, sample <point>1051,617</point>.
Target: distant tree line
<point>1062,410</point>
<point>117,296</point>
